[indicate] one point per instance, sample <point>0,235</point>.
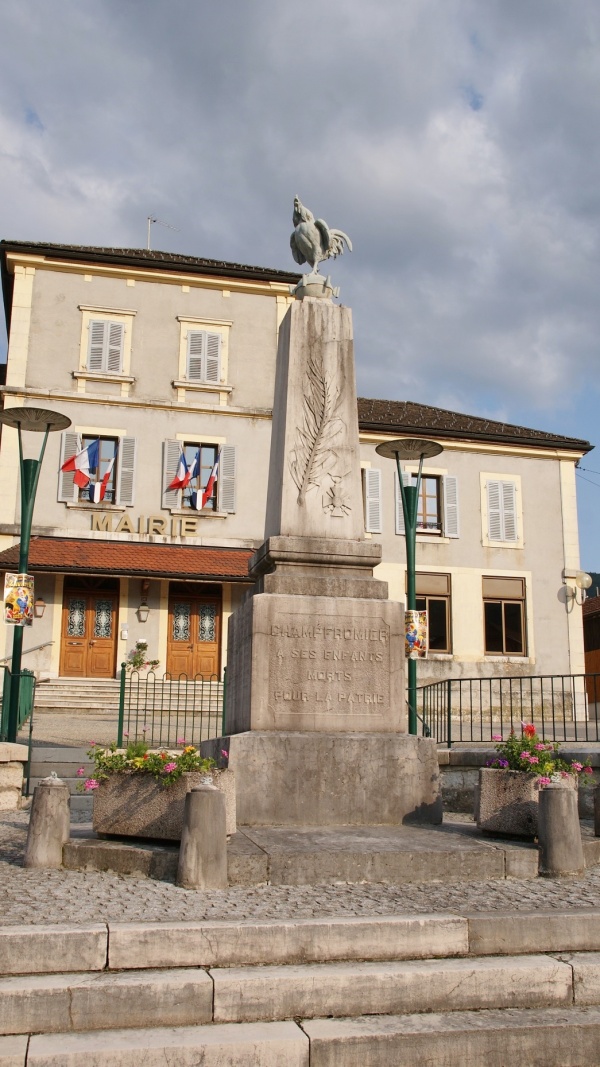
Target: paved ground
<point>35,897</point>
<point>71,730</point>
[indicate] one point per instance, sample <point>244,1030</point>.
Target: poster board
<point>18,599</point>
<point>415,634</point>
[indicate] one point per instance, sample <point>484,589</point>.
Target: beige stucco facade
<point>152,398</point>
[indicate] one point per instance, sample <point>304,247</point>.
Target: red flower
<point>529,730</point>
<point>145,756</point>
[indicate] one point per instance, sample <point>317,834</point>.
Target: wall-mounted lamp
<point>39,607</point>
<point>143,611</point>
<point>577,583</point>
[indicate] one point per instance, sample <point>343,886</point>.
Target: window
<point>116,456</point>
<point>203,356</point>
<point>105,346</point>
<point>502,511</point>
<point>200,460</point>
<point>437,511</point>
<point>504,616</point>
<point>434,597</point>
<point>372,499</point>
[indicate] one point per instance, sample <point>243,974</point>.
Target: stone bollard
<point>559,833</point>
<point>203,849</point>
<point>49,824</point>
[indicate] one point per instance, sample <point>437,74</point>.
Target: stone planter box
<point>507,802</point>
<point>136,805</point>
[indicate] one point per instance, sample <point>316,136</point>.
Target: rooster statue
<point>312,241</point>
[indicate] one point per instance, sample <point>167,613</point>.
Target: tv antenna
<point>151,219</point>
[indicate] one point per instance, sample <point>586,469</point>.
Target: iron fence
<point>167,710</point>
<point>563,707</point>
<point>26,697</point>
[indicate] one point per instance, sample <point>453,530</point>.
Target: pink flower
<point>125,733</point>
<point>90,784</point>
<point>225,753</point>
<point>587,770</point>
<point>181,740</point>
<point>540,747</point>
<point>92,743</point>
<point>534,759</point>
<point>80,772</point>
<point>543,780</point>
<point>525,755</point>
<point>565,774</point>
<point>168,767</point>
<point>577,766</point>
<point>496,737</point>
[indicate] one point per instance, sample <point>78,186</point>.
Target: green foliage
<point>165,766</point>
<point>532,755</point>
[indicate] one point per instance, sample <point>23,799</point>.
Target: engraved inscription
<point>330,666</point>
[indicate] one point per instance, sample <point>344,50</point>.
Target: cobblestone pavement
<point>42,896</point>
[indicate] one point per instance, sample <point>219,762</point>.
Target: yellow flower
<point>189,748</point>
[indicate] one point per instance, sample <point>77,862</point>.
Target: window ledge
<point>202,387</point>
<point>191,513</point>
<point>424,537</point>
<point>498,657</point>
<point>487,543</point>
<point>85,506</point>
<point>102,376</point>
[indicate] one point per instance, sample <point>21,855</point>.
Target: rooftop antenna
<point>151,219</point>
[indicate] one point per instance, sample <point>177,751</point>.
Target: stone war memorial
<point>315,711</point>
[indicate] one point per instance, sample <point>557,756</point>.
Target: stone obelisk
<point>315,705</point>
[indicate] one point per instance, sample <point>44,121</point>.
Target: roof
<point>147,257</point>
<point>88,556</point>
<point>591,605</point>
<point>407,417</point>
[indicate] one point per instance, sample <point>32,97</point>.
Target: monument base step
<point>454,852</point>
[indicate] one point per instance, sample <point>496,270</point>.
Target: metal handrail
<point>35,648</point>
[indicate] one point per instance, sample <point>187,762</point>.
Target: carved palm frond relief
<point>313,455</point>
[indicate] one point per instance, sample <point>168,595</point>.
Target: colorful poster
<point>18,599</point>
<point>415,643</point>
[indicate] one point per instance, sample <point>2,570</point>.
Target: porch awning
<point>87,556</point>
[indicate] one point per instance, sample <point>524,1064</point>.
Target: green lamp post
<point>43,421</point>
<point>410,448</point>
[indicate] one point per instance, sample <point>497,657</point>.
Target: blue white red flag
<point>82,463</point>
<point>99,489</point>
<point>183,476</point>
<point>195,467</point>
<point>208,491</point>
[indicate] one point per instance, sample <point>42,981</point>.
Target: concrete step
<point>247,1045</point>
<point>184,996</point>
<point>547,1037</point>
<point>72,783</point>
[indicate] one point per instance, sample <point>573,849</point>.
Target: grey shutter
<point>126,471</point>
<point>226,478</point>
<point>114,361</point>
<point>407,479</point>
<point>213,357</point>
<point>97,328</point>
<point>509,510</point>
<point>451,525</point>
<point>70,445</point>
<point>195,354</point>
<point>494,503</point>
<point>372,481</point>
<point>171,498</point>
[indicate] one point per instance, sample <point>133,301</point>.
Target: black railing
<point>563,707</point>
<point>169,710</point>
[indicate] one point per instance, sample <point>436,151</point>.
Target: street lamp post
<point>43,421</point>
<point>410,448</point>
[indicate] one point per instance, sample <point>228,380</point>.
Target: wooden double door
<point>194,638</point>
<point>89,628</point>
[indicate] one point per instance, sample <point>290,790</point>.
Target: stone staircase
<point>80,696</point>
<point>65,762</point>
<point>517,988</point>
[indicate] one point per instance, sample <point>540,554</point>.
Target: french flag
<point>183,475</point>
<point>207,492</point>
<point>98,491</point>
<point>82,463</point>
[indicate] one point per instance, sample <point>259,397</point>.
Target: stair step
<point>234,1045</point>
<point>546,1037</point>
<point>63,1002</point>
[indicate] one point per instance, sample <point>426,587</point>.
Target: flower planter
<point>136,805</point>
<point>507,801</point>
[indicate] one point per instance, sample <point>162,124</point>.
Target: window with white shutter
<point>226,480</point>
<point>407,479</point>
<point>201,460</point>
<point>110,473</point>
<point>372,499</point>
<point>125,463</point>
<point>70,445</point>
<point>105,350</point>
<point>203,356</point>
<point>502,511</point>
<point>450,489</point>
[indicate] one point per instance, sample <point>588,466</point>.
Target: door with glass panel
<point>193,646</point>
<point>88,642</point>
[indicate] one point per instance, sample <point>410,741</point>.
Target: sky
<point>455,141</point>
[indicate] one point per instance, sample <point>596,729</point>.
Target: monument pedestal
<point>315,704</point>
